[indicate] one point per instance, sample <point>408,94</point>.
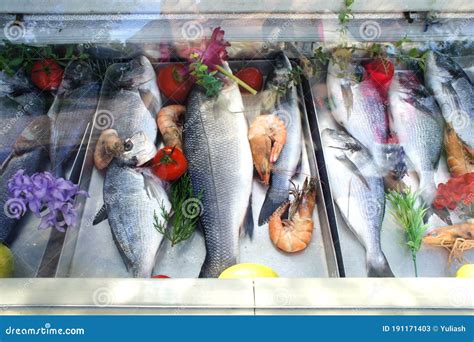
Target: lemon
<point>248,270</point>
<point>466,271</point>
<point>6,261</point>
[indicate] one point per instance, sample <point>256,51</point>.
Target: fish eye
<point>128,145</point>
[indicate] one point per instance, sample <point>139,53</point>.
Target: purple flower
<point>214,52</point>
<point>43,190</point>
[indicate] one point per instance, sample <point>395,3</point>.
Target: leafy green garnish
<point>205,78</point>
<point>184,214</point>
<point>412,56</point>
<point>15,56</point>
<point>410,216</point>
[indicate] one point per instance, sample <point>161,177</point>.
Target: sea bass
<point>358,107</point>
<point>454,93</point>
<point>285,106</point>
<point>72,110</point>
<point>417,121</point>
<point>358,192</point>
<point>220,167</point>
<point>131,197</point>
<point>30,155</point>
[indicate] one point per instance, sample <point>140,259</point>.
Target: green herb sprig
<point>205,78</point>
<point>183,224</point>
<point>15,56</point>
<point>410,216</point>
<point>413,55</point>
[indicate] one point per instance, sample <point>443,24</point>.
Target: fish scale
<point>132,198</point>
<point>287,109</point>
<point>358,191</point>
<point>454,93</point>
<point>418,123</point>
<point>220,165</point>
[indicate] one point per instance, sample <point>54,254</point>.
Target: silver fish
<point>72,110</point>
<point>286,108</point>
<point>417,121</point>
<point>131,199</point>
<point>30,155</point>
<point>220,165</point>
<point>129,101</point>
<point>454,93</point>
<point>359,108</point>
<point>358,191</point>
<point>20,103</point>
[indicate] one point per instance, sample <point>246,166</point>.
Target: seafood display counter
<point>312,165</point>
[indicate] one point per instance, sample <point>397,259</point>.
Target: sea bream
<point>454,93</point>
<point>416,119</point>
<point>220,166</point>
<point>284,104</point>
<point>357,105</point>
<point>29,153</point>
<point>128,104</point>
<point>20,103</point>
<point>358,192</point>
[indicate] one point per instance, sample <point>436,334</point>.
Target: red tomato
<point>160,276</point>
<point>169,163</point>
<point>47,74</point>
<point>252,76</point>
<point>173,84</point>
<point>380,71</point>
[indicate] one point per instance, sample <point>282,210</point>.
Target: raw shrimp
<point>267,135</point>
<point>294,234</point>
<point>460,157</point>
<point>456,238</point>
<point>167,121</point>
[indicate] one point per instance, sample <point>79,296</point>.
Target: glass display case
<point>320,155</point>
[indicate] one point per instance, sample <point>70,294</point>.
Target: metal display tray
<point>89,251</point>
<point>431,261</point>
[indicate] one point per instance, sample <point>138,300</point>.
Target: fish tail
<point>273,200</point>
<point>213,270</point>
<point>378,266</point>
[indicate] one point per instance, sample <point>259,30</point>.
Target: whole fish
<point>129,101</point>
<point>20,103</point>
<point>454,93</point>
<point>220,167</point>
<point>72,110</point>
<point>131,200</point>
<point>285,106</point>
<point>358,192</point>
<point>358,107</point>
<point>417,121</point>
<point>30,156</point>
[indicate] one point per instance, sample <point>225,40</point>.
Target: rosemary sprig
<point>410,216</point>
<point>182,218</point>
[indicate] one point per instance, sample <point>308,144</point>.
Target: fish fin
<point>248,225</point>
<point>149,100</point>
<point>378,267</point>
<point>6,162</point>
<point>353,167</point>
<point>100,216</point>
<point>348,98</point>
<point>443,214</point>
<point>273,199</point>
